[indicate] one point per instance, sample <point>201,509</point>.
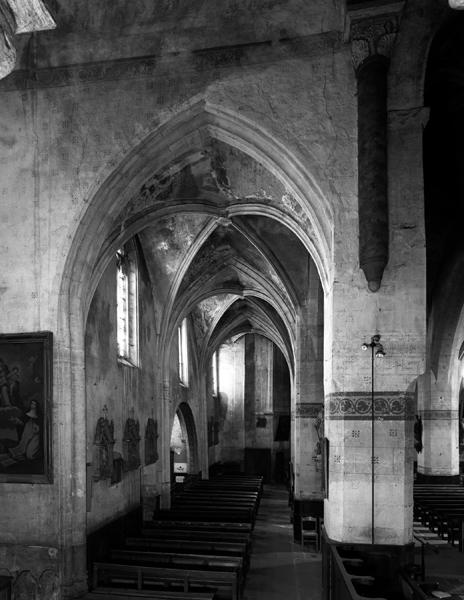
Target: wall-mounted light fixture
<point>377,351</point>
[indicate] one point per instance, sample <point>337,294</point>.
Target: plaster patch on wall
<point>307,409</point>
<point>440,414</point>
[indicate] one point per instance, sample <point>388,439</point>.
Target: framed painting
<point>26,407</point>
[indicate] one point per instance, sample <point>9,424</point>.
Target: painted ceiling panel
<point>166,245</point>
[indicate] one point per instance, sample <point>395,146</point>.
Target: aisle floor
<point>280,569</point>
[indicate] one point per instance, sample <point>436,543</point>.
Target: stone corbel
<point>16,17</point>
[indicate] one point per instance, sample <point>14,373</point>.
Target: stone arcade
<point>211,206</point>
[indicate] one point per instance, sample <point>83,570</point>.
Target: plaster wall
<point>126,391</point>
<point>247,381</point>
<point>231,364</point>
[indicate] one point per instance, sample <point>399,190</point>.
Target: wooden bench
<point>200,525</point>
<point>220,493</point>
<point>191,516</point>
<point>216,499</point>
<point>188,546</point>
<point>177,559</point>
<point>140,577</point>
<point>441,508</point>
<point>121,594</point>
<point>202,533</point>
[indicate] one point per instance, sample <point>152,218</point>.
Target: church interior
<point>232,327</point>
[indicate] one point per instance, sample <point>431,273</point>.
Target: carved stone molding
<point>151,442</point>
<point>131,445</point>
<point>358,406</point>
<point>162,67</point>
<point>373,36</point>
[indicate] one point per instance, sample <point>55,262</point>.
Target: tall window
<point>183,352</point>
<point>214,367</point>
<point>127,305</point>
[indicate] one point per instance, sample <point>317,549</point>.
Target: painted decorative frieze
<point>358,405</point>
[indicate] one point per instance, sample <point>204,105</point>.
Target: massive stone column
<point>370,402</point>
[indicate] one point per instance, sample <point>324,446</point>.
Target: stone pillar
<point>439,460</point>
<point>263,428</point>
<point>371,454</point>
<point>250,389</point>
<point>309,393</point>
<point>370,404</point>
<point>165,438</point>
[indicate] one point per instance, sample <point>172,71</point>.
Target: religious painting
<point>25,407</point>
<point>131,442</point>
<point>151,442</point>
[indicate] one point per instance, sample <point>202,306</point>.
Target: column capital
<point>373,33</point>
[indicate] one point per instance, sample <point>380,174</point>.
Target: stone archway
<point>187,451</point>
<point>174,144</point>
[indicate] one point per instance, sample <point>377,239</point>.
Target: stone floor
<point>280,570</point>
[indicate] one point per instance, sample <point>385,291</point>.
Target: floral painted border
<point>358,405</point>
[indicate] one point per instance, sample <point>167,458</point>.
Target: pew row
<point>225,584</point>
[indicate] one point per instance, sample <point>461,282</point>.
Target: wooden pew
<point>177,522</point>
<point>441,508</point>
<point>169,530</point>
<point>203,514</point>
<point>177,559</point>
<point>122,594</point>
<point>208,547</point>
<point>140,577</point>
<point>237,499</point>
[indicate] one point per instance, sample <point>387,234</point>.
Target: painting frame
<point>26,370</point>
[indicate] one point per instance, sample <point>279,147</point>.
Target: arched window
<point>214,368</point>
<point>127,304</point>
<point>183,352</point>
